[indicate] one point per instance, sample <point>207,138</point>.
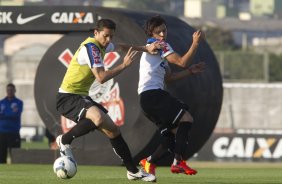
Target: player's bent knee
<point>96,116</point>
<point>187,117</point>
<point>98,120</point>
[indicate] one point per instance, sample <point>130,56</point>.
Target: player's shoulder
<point>91,44</point>
<point>92,47</point>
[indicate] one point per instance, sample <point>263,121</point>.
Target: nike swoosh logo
<point>21,20</point>
<point>140,177</point>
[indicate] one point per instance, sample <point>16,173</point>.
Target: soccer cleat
<point>65,149</point>
<point>148,167</point>
<point>141,175</point>
<point>182,167</point>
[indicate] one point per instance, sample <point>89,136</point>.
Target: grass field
<point>209,173</point>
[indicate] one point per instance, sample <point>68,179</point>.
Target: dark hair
<point>153,22</point>
<point>105,23</point>
<point>11,85</point>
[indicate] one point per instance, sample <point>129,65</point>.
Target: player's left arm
<point>192,70</point>
<point>187,59</point>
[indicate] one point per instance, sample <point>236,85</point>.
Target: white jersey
<point>152,69</point>
<point>86,54</point>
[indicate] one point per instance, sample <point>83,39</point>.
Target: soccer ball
<point>65,167</point>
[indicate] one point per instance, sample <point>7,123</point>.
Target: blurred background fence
<point>243,66</point>
<point>252,90</point>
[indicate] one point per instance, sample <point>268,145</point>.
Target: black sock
<point>167,146</point>
<point>83,127</point>
<point>121,149</point>
<point>181,139</point>
<point>160,153</point>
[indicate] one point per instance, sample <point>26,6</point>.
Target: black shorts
<point>74,107</point>
<point>161,108</point>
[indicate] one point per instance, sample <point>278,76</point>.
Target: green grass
<point>35,144</point>
<point>209,173</point>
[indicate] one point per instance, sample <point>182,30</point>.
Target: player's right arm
<point>103,75</point>
<point>192,70</point>
<point>151,48</point>
<point>187,59</point>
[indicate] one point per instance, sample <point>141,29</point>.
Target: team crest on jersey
<point>96,54</point>
<point>107,94</point>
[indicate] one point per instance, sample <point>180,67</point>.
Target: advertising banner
<point>46,19</point>
<point>243,145</point>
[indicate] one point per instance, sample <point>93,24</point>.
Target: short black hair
<point>153,22</point>
<point>11,85</point>
<point>105,23</point>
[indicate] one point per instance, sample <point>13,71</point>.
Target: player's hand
<point>153,47</point>
<point>129,57</point>
<point>197,68</point>
<point>198,36</point>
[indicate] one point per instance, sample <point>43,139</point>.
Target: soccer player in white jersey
<point>74,103</point>
<point>168,113</point>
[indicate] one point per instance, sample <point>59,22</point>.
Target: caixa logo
<point>248,148</point>
<point>72,18</point>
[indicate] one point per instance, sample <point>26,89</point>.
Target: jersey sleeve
<point>110,48</point>
<point>90,55</point>
<point>166,49</point>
